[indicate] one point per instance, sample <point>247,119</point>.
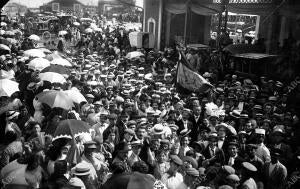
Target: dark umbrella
<point>57,69</point>
<point>134,180</point>
<point>70,128</point>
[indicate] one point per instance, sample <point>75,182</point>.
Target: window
<point>55,7</point>
<point>76,7</point>
<point>151,25</point>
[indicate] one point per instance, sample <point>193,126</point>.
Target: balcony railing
<point>245,1</point>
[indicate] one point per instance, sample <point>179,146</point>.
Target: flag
<point>189,79</point>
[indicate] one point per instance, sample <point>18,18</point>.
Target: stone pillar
<point>167,31</point>
<point>207,29</point>
<point>159,23</point>
<point>283,34</point>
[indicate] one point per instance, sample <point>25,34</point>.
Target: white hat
<point>158,129</point>
<point>260,131</point>
<point>12,114</point>
<point>77,182</point>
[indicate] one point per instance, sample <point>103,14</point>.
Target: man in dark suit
<point>184,122</point>
<point>233,159</point>
<point>213,155</point>
<point>196,121</point>
<point>252,158</point>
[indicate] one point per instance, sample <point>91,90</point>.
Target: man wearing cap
<point>248,171</point>
<point>100,127</point>
<point>110,81</point>
<point>135,152</point>
<point>173,179</point>
<point>89,159</point>
<point>262,151</point>
<point>88,107</point>
<point>191,174</point>
<point>277,142</point>
<point>122,149</point>
<point>233,180</point>
<point>274,173</point>
<point>212,153</point>
<point>256,161</point>
<point>82,175</point>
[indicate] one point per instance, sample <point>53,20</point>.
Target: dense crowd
<point>133,128</point>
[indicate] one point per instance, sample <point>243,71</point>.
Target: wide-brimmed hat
<point>248,166</point>
<point>176,160</point>
<point>173,127</point>
<point>90,145</point>
<point>190,160</point>
<point>129,131</point>
<point>184,133</point>
<point>235,114</point>
<point>213,136</point>
<point>158,129</point>
<point>76,182</point>
<point>136,143</point>
<point>12,114</point>
<point>81,169</point>
<point>278,131</point>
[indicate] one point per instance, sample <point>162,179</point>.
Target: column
<point>160,12</point>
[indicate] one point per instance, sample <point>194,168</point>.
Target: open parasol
<point>45,50</point>
<point>34,37</point>
<point>75,96</point>
<point>5,75</point>
<point>8,87</point>
<point>88,30</point>
<point>70,128</point>
<point>134,54</point>
<point>12,40</point>
<point>3,24</point>
<point>53,56</point>
<point>11,33</point>
<point>4,47</point>
<point>34,53</point>
<point>55,99</point>
<point>38,64</point>
<point>56,69</point>
<point>61,61</point>
<point>52,77</point>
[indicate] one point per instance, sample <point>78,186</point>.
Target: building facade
<point>14,9</point>
<point>72,7</point>
<point>189,21</point>
<point>106,5</point>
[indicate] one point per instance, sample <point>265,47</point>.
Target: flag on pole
<point>189,79</point>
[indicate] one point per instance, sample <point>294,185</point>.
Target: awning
<point>213,8</point>
<point>254,56</point>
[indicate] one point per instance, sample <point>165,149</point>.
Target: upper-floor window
<point>55,7</point>
<point>76,7</point>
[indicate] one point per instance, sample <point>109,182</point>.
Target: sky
<point>37,3</point>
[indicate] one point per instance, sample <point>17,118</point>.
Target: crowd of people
<point>141,131</point>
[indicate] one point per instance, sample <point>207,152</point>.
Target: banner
<point>189,79</point>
